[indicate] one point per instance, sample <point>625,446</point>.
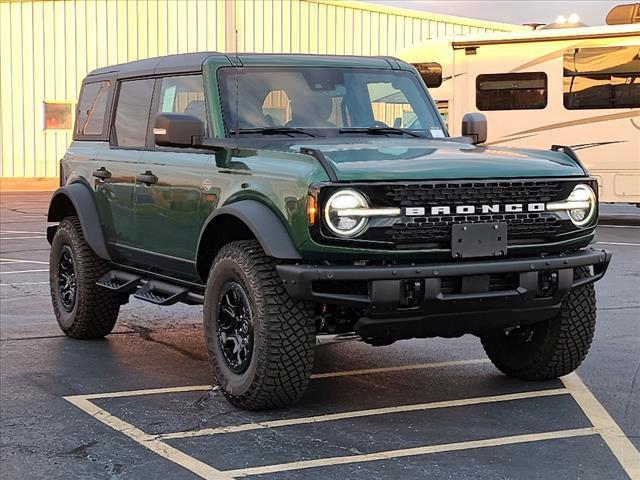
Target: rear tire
<point>83,309</point>
<point>549,349</point>
<point>260,340</point>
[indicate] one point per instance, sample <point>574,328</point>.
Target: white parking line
<point>164,450</point>
<point>611,433</point>
<point>624,244</point>
<point>23,271</point>
<point>603,425</point>
<point>22,283</point>
<point>21,238</point>
<point>10,232</point>
<point>364,413</point>
<point>7,261</point>
<point>408,452</point>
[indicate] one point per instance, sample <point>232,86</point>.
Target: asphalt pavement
<point>139,404</point>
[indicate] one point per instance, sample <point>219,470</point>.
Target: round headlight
<point>337,213</point>
<point>581,205</point>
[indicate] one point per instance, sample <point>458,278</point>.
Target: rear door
<point>171,211</point>
<point>122,163</point>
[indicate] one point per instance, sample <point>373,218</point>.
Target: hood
<point>412,159</point>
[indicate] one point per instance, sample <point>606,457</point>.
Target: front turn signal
<point>312,210</point>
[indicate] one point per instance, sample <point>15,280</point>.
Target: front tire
<point>83,309</point>
<point>549,349</point>
<point>260,340</point>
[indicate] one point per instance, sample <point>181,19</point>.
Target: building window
<point>602,77</point>
<point>184,94</point>
<point>132,113</point>
<point>58,115</point>
<point>92,108</point>
<point>511,91</point>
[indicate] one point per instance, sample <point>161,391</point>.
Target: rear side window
<point>132,113</point>
<point>511,91</point>
<point>92,108</point>
<point>602,77</point>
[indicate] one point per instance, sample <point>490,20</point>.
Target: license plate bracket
<point>470,240</point>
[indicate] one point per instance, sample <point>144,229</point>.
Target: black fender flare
<point>263,223</point>
<point>81,198</point>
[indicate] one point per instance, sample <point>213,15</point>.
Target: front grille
<point>436,230</point>
<point>431,231</point>
<point>422,230</point>
<point>433,194</point>
<point>498,282</point>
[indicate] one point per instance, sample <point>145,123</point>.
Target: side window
<point>58,115</point>
<point>184,94</point>
<point>602,77</point>
<point>511,91</point>
<point>92,108</point>
<point>132,112</point>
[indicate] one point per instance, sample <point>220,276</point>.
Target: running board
<point>119,281</point>
<point>161,293</point>
<point>149,290</point>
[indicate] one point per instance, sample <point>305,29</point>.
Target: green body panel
<point>165,221</point>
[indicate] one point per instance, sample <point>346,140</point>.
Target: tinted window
<point>603,77</point>
<point>183,94</point>
<point>321,98</point>
<point>132,112</point>
<point>92,108</point>
<point>511,91</point>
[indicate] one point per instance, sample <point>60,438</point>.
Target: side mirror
<point>177,129</point>
<point>431,73</point>
<point>474,125</point>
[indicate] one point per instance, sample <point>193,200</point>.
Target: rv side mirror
<point>474,125</point>
<point>431,73</point>
<point>177,129</point>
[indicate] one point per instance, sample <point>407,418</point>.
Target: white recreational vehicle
<point>577,86</point>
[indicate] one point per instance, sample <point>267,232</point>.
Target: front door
<point>172,208</point>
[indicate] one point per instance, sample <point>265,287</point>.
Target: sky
<point>591,12</point>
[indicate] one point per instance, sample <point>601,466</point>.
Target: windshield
<point>293,100</point>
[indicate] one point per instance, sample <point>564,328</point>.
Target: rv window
<point>511,91</point>
<point>604,77</point>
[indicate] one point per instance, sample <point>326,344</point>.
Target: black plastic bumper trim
<point>298,279</point>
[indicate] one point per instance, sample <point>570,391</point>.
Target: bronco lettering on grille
<point>474,209</point>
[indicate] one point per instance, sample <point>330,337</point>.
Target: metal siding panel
<point>287,32</point>
<point>217,41</point>
<point>277,26</point>
<point>142,13</point>
<point>28,106</point>
<point>152,29</point>
<point>6,80</point>
<point>313,28</point>
<point>40,71</point>
<point>17,89</point>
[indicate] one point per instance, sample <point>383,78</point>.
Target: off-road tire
<point>556,347</point>
<point>283,331</point>
<point>95,310</point>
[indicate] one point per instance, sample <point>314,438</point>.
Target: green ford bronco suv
<point>296,196</point>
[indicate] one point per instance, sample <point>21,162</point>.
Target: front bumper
<point>475,307</point>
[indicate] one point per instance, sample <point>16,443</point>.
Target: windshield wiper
<point>290,131</point>
<point>380,131</point>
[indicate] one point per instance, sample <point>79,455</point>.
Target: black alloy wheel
<point>67,279</point>
<point>235,327</point>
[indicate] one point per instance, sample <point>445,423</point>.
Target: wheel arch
<point>243,220</point>
<point>77,199</point>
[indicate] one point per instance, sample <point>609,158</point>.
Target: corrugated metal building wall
<point>47,47</point>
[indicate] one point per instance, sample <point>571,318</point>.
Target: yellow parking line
<point>609,430</point>
<point>407,452</point>
<point>363,413</point>
<point>189,388</point>
<point>164,450</point>
<point>150,391</point>
<point>418,366</point>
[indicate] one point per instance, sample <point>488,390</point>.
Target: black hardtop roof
<point>191,62</point>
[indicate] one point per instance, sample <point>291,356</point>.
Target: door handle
<point>102,173</point>
<point>148,178</point>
